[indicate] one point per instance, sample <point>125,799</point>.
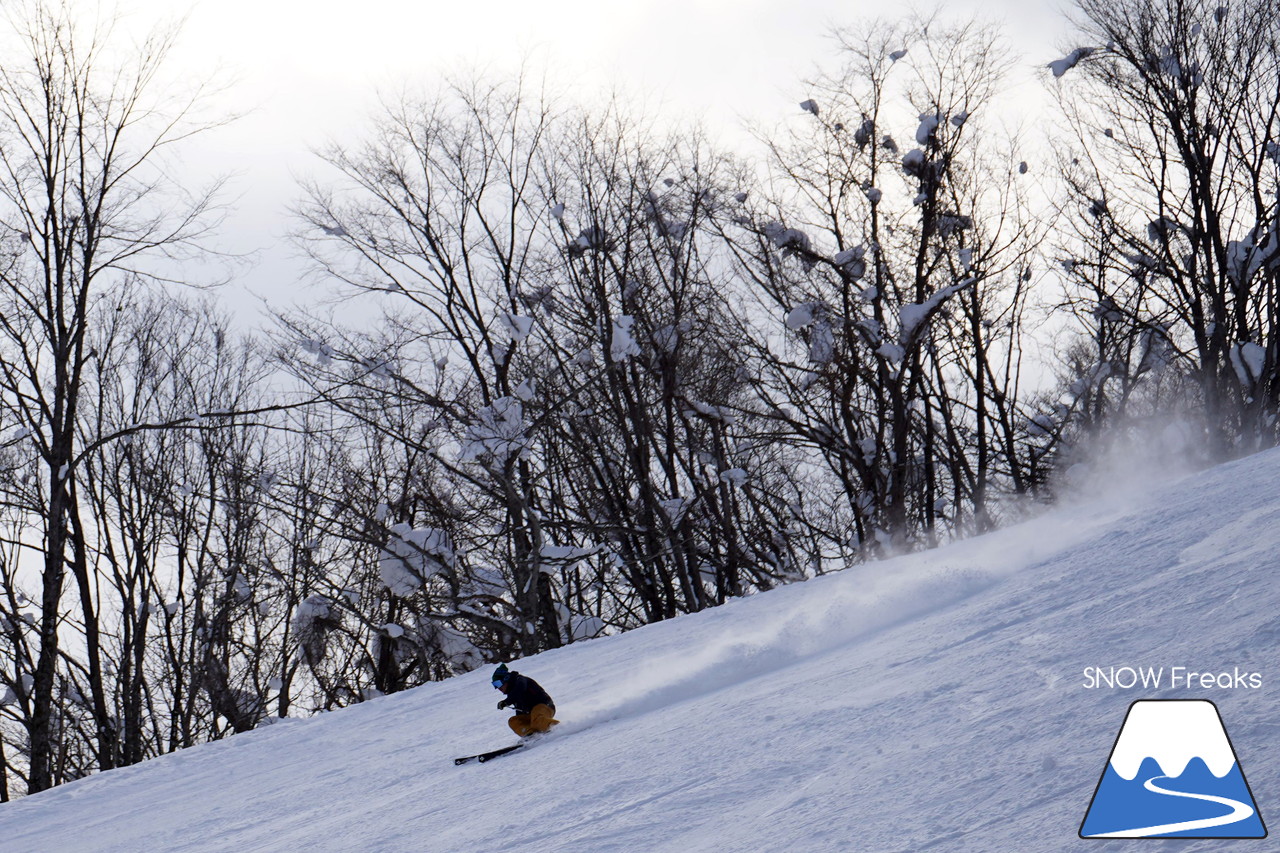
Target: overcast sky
<point>309,72</point>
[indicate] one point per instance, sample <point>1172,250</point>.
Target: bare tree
<point>83,204</point>
<point>435,210</point>
<point>638,358</point>
<point>895,243</point>
<point>1176,107</point>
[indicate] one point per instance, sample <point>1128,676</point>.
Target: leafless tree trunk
<point>889,257</point>
<point>81,205</point>
<point>1176,104</point>
<point>436,212</point>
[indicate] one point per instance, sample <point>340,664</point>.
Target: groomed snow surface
<point>931,702</point>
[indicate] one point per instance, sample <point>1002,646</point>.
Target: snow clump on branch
<point>412,556</point>
<point>498,432</point>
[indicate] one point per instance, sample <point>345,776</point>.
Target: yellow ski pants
<point>540,719</point>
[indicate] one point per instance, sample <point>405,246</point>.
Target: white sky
<point>309,72</point>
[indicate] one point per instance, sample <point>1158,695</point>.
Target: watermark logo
<point>1176,677</point>
<point>1172,773</point>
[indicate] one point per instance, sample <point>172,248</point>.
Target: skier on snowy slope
<point>535,712</point>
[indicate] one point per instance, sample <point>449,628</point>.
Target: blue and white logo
<point>1173,774</point>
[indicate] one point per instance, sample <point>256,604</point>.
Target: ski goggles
<point>498,684</point>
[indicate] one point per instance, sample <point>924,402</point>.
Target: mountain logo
<point>1173,773</point>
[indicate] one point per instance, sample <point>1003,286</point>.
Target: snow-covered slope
<point>932,702</point>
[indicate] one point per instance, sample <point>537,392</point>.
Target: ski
<point>485,756</point>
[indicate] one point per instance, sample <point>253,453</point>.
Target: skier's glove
<point>504,703</point>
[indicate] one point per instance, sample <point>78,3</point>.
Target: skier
<point>535,712</point>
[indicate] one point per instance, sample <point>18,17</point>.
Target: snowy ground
<point>932,702</point>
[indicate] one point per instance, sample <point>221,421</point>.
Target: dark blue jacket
<point>523,693</point>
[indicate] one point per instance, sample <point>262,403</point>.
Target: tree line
<point>604,373</point>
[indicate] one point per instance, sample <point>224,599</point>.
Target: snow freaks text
<point>1152,677</point>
